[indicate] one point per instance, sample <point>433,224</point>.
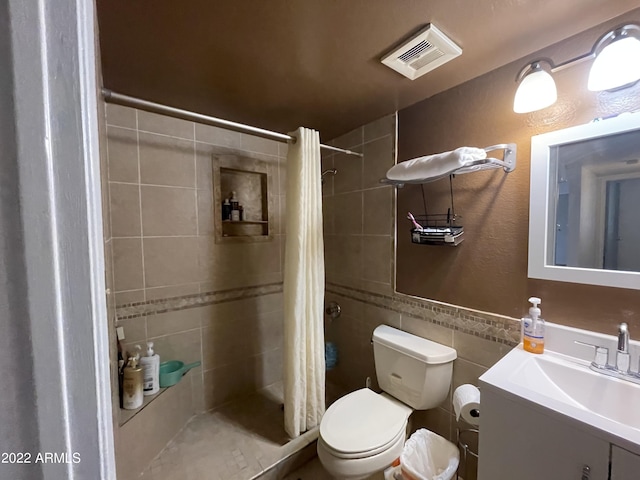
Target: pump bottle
<point>132,384</point>
<point>151,367</point>
<point>533,328</point>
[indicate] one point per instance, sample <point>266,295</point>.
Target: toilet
<point>364,432</point>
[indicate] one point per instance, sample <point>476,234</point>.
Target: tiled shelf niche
<point>250,179</point>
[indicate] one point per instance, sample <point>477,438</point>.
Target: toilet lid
<point>363,421</point>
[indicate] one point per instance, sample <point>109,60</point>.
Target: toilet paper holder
<point>466,405</point>
<point>464,437</point>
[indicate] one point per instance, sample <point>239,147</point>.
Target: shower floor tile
<point>238,441</point>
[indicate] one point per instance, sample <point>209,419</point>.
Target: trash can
<point>428,456</point>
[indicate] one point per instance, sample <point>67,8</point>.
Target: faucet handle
<point>602,354</point>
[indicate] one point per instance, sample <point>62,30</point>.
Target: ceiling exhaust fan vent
<point>426,51</point>
<point>415,51</point>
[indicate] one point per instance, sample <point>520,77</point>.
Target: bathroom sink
<point>560,383</point>
<point>572,382</point>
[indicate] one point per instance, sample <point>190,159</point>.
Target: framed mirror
<point>584,205</point>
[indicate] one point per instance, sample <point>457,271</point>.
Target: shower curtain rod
<point>126,100</point>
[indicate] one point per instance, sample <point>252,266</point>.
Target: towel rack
<point>507,163</point>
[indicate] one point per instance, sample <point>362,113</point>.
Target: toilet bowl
<point>364,431</point>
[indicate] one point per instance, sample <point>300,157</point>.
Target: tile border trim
<point>489,326</point>
<point>194,300</point>
<point>493,327</point>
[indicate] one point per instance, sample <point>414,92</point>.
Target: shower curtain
<point>304,368</point>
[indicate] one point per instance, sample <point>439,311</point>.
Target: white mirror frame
<point>541,148</point>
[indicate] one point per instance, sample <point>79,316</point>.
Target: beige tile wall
<point>358,214</point>
<point>160,196</point>
<point>359,235</point>
<point>161,200</point>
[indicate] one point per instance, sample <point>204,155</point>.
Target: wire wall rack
<point>437,229</point>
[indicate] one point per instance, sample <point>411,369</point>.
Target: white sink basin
<point>565,385</point>
<point>571,381</point>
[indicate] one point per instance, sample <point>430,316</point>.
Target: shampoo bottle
<point>533,328</point>
<point>151,367</point>
<point>121,354</point>
<point>132,385</point>
<point>226,210</point>
<point>235,212</point>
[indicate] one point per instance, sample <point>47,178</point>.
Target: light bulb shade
<point>536,91</point>
<point>616,65</point>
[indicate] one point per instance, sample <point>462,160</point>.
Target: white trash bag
<point>428,456</point>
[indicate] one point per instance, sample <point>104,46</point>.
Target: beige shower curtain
<point>304,369</point>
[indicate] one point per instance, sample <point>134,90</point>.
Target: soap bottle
<point>121,364</point>
<point>226,210</point>
<point>533,328</point>
<point>132,385</point>
<point>235,211</point>
<point>151,367</point>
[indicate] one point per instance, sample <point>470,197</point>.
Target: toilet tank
<point>412,369</point>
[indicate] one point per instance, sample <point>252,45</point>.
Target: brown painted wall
<point>489,270</point>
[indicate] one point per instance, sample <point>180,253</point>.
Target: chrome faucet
<point>621,369</point>
<point>622,355</point>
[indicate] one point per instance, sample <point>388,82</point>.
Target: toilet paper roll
<point>466,404</point>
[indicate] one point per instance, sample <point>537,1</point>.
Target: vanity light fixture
<point>537,89</point>
<point>616,64</point>
<point>617,61</point>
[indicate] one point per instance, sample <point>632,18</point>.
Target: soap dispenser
<point>533,328</point>
<point>151,367</point>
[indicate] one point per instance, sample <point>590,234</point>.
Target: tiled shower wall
<point>359,236</point>
<point>172,283</point>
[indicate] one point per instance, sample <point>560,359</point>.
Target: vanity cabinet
<point>527,443</point>
<point>532,443</point>
<point>550,416</point>
<point>624,464</point>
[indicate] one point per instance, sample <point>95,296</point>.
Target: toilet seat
<point>399,438</point>
<point>362,424</point>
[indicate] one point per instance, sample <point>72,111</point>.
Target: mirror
<point>584,210</point>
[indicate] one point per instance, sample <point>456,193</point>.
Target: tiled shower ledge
<point>126,415</point>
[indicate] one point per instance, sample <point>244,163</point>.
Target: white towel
<point>432,166</point>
